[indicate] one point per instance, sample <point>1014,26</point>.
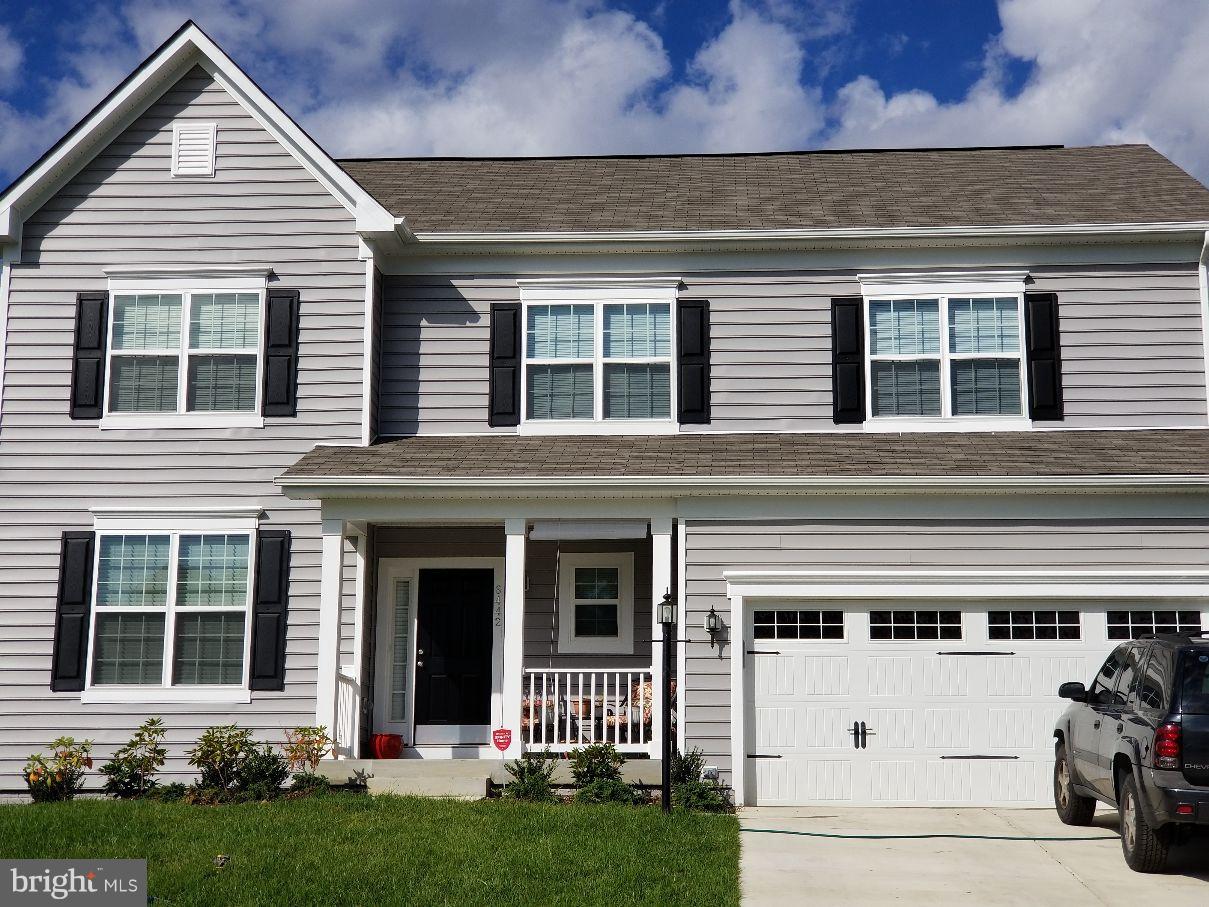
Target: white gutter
<point>352,486</point>
<point>843,233</point>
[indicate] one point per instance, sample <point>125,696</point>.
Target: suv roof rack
<point>1189,636</point>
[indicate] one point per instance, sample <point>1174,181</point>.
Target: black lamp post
<point>667,617</point>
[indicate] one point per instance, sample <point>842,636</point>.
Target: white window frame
<point>186,288</point>
<point>821,607</point>
<point>157,523</point>
<point>599,293</point>
<point>568,642</point>
<point>1033,611</point>
<point>944,286</point>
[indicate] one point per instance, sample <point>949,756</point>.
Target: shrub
<point>687,767</point>
<point>169,793</point>
<point>219,753</point>
<point>261,773</point>
<point>702,796</point>
<point>306,783</point>
<point>61,776</point>
<point>609,790</point>
<point>131,772</point>
<point>305,747</point>
<point>598,762</point>
<point>531,773</point>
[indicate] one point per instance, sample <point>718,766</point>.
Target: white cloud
<point>11,57</point>
<point>1103,71</point>
<point>576,76</point>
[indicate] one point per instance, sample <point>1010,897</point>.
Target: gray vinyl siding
<point>1131,346</point>
<point>260,208</point>
<point>715,546</point>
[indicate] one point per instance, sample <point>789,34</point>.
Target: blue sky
<point>473,77</point>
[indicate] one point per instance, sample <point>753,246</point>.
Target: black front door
<point>453,647</point>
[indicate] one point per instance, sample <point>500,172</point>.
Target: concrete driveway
<point>787,860</point>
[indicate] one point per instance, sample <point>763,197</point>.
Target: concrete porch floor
<point>462,778</point>
<point>781,865</point>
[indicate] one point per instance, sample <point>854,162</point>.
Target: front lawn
<point>378,851</point>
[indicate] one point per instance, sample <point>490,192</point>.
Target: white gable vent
<point>193,149</point>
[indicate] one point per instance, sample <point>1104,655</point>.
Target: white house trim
<point>1203,284</point>
<point>311,487</point>
<point>175,519</point>
<point>743,586</point>
<point>949,283</point>
<point>1121,230</point>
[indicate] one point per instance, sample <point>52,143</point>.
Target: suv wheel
<point>1072,808</point>
<point>1145,847</point>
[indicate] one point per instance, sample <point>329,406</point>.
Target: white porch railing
<point>562,709</point>
<point>348,701</point>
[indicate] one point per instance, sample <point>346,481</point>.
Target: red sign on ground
<point>502,738</point>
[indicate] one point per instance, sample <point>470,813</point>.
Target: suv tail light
<point>1167,746</point>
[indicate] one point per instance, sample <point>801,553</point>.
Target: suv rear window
<point>1194,684</point>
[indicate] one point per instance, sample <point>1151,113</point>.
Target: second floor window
<point>184,352</point>
<point>598,361</point>
<point>945,356</point>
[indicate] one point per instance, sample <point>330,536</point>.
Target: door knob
<point>419,651</point>
<point>419,664</point>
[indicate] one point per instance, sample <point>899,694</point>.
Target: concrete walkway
<point>780,868</point>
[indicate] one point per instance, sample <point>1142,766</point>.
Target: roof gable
<point>189,47</point>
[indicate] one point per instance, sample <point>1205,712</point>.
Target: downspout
<point>1203,281</point>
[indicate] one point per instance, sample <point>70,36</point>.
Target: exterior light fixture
<point>667,609</point>
<point>713,626</point>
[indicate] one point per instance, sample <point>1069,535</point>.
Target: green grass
<point>380,851</point>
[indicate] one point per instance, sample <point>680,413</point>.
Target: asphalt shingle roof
<point>805,190</point>
<point>852,455</point>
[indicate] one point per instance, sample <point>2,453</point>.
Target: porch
<point>487,640</point>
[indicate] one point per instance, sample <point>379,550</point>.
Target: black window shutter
<point>280,354</point>
<point>692,361</point>
<point>88,366</point>
<point>1044,356</point>
<point>504,404</point>
<point>71,613</point>
<point>269,607</point>
<point>848,360</point>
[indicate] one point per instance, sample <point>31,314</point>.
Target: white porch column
<point>360,537</point>
<point>331,582</point>
<point>661,582</point>
<point>514,631</point>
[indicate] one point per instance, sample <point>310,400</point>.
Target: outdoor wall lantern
<point>713,626</point>
<point>667,609</point>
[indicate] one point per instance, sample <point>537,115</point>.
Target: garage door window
<point>784,624</point>
<point>915,625</point>
<point>1033,624</point>
<point>1132,624</point>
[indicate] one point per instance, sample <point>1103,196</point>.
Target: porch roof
<point>942,456</point>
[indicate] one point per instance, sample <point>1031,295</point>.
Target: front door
<point>453,655</point>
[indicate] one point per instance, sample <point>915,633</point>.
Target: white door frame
<point>742,585</point>
<point>390,571</point>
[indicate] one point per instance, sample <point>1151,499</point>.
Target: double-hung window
<point>184,352</point>
<point>598,357</point>
<point>941,356</point>
<point>171,610</point>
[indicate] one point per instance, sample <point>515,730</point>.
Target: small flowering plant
<point>305,747</point>
<point>61,776</point>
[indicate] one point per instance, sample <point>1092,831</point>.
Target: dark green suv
<point>1138,740</point>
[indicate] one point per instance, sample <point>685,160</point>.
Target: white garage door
<point>898,703</point>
